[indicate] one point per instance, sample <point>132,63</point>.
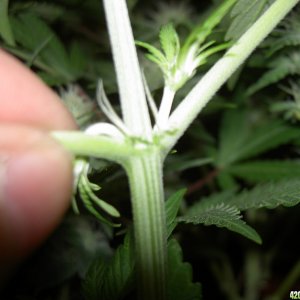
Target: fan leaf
<point>255,171</point>
<point>43,44</point>
<point>269,195</point>
<point>249,140</point>
<point>113,280</point>
<point>221,215</point>
<point>180,284</point>
<point>244,14</point>
<point>279,69</point>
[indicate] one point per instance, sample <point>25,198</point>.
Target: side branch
<point>104,147</point>
<point>205,89</point>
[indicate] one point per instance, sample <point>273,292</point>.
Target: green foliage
<point>281,54</point>
<point>169,42</point>
<point>115,279</point>
<point>269,195</point>
<point>263,170</point>
<point>65,43</point>
<point>216,211</point>
<point>112,280</point>
<point>172,207</point>
<point>244,14</point>
<point>180,283</point>
<point>44,44</point>
<point>287,34</point>
<point>5,28</point>
<point>179,64</point>
<point>250,141</point>
<point>289,107</point>
<point>280,68</point>
<point>204,29</point>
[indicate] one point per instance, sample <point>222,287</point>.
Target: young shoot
<point>179,63</point>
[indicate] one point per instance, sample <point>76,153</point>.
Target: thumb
<point>35,187</point>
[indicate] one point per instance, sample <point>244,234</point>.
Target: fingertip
<point>36,189</point>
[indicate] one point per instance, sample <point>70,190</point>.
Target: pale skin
<point>35,171</point>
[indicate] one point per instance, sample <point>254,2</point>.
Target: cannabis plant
<point>143,137</point>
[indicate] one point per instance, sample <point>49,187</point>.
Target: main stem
<point>145,179</point>
<point>130,83</point>
<point>145,169</point>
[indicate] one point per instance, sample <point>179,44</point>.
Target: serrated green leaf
<point>269,195</point>
<point>280,68</point>
<point>213,199</point>
<point>267,137</point>
<point>172,207</point>
<point>221,215</point>
<point>169,42</point>
<point>255,171</point>
<point>249,141</point>
<point>5,28</point>
<point>155,53</point>
<point>180,279</point>
<point>113,280</point>
<point>244,14</point>
<point>287,35</point>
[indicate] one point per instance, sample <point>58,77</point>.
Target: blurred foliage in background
<point>245,145</point>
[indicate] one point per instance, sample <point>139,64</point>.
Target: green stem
<point>206,88</point>
<point>82,144</point>
<point>165,107</point>
<point>131,89</point>
<point>144,170</point>
<point>145,178</point>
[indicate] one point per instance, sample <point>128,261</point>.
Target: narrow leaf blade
<point>172,207</point>
<point>156,53</point>
<point>256,171</point>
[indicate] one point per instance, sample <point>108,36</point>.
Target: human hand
<point>35,171</point>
